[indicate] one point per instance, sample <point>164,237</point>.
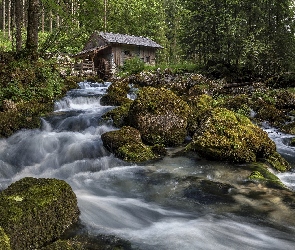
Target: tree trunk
<point>50,21</point>
<point>12,24</point>
<point>9,19</point>
<point>32,29</point>
<point>18,23</point>
<point>4,21</point>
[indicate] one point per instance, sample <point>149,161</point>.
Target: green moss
<point>126,144</point>
<point>134,152</point>
<point>116,94</point>
<point>4,240</point>
<point>262,174</point>
<point>225,135</point>
<point>119,115</point>
<point>277,162</point>
<point>65,245</point>
<point>256,175</point>
<point>289,128</point>
<point>25,115</point>
<point>160,116</point>
<point>36,211</point>
<point>198,106</point>
<point>238,103</point>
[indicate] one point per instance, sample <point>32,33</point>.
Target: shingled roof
<point>128,39</point>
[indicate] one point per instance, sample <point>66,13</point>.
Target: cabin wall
<point>121,53</point>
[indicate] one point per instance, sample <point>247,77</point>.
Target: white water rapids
<point>143,204</point>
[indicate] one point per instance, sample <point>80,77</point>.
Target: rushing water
<point>154,205</point>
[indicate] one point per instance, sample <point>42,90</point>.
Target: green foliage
<point>229,36</point>
<point>27,91</point>
<point>5,43</point>
<point>133,66</point>
<point>26,80</point>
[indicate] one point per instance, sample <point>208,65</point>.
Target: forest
<point>242,39</point>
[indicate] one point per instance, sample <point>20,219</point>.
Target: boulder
<point>228,136</point>
<point>119,115</point>
<point>198,105</point>
<point>160,116</point>
<point>126,144</point>
<point>116,94</point>
<point>35,212</point>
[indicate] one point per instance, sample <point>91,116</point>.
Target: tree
<point>256,36</point>
<point>32,29</point>
<point>18,8</point>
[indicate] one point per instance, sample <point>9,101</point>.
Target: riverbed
<point>155,205</point>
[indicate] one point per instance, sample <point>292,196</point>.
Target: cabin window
<point>127,53</point>
<point>148,59</point>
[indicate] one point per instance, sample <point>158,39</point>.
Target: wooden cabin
<point>105,52</point>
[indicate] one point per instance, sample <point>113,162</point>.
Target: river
<point>153,205</point>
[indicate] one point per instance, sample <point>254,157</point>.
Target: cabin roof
<point>129,39</point>
<point>112,38</point>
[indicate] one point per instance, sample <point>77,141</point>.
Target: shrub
<point>133,66</point>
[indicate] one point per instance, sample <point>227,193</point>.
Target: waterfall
<point>146,204</point>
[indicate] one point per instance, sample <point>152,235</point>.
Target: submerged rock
<point>209,192</point>
<point>126,144</point>
<point>228,136</point>
<point>160,116</point>
<point>35,212</point>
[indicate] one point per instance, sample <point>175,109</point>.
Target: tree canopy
<point>249,37</point>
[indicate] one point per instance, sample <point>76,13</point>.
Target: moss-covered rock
<point>228,136</point>
<point>119,115</point>
<point>160,116</point>
<point>116,94</point>
<point>36,211</point>
<point>126,144</point>
<point>90,242</point>
<point>198,105</point>
<point>277,162</point>
<point>65,245</point>
<point>238,103</point>
<point>292,142</point>
<point>289,128</point>
<point>25,115</point>
<point>262,175</point>
<point>270,113</point>
<point>4,240</point>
